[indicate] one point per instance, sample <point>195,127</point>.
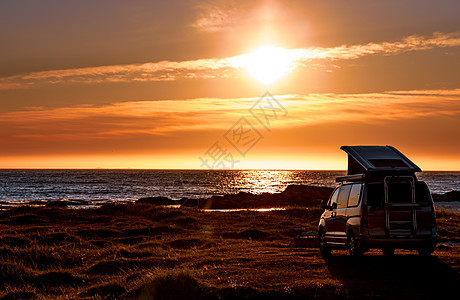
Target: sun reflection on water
<point>258,182</point>
<point>220,182</point>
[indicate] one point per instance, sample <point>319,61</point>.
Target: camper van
<point>379,204</point>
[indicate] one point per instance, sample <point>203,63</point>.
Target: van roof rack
<point>367,159</point>
<point>351,178</point>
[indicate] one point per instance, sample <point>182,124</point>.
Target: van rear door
<point>400,207</point>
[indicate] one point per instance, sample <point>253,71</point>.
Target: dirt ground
<point>139,251</point>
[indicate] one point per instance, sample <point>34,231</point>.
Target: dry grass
<point>142,251</point>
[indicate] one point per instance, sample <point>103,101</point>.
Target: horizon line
<point>178,169</point>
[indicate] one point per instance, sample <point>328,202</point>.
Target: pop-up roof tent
<point>367,160</point>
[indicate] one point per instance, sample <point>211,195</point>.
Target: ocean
<point>127,185</point>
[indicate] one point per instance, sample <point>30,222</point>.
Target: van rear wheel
<point>353,246</point>
<point>425,251</point>
<point>388,251</point>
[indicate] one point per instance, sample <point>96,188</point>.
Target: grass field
<point>144,251</point>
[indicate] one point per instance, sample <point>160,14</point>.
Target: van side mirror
<point>324,205</point>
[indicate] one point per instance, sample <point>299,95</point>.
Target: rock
<point>245,196</point>
<point>38,202</point>
<point>295,195</point>
<point>186,202</point>
<point>64,203</point>
<point>157,201</point>
<point>447,197</point>
<point>307,192</point>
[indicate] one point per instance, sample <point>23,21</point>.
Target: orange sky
<point>155,85</point>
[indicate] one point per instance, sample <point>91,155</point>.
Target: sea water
<point>129,185</point>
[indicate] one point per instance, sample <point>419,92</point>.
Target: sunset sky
<point>183,84</point>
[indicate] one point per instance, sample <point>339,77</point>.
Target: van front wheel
<point>353,246</point>
<point>323,247</point>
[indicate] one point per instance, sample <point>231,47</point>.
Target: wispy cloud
<point>168,116</point>
<point>222,68</point>
<point>218,15</point>
<point>410,43</point>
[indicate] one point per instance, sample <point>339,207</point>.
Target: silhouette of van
<point>379,204</point>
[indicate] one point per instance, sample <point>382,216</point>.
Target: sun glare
<point>266,64</point>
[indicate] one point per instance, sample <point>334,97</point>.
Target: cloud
<point>410,43</point>
<point>216,16</point>
<point>187,128</point>
<point>167,116</point>
<point>172,133</point>
<point>155,71</point>
<point>222,68</point>
<point>213,19</point>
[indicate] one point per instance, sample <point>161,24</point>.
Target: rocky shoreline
<point>293,195</point>
<point>451,196</point>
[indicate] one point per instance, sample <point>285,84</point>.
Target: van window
<point>334,197</point>
<point>399,192</point>
<point>355,192</point>
<point>376,193</point>
<point>343,196</point>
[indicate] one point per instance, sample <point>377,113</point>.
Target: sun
<point>267,63</point>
